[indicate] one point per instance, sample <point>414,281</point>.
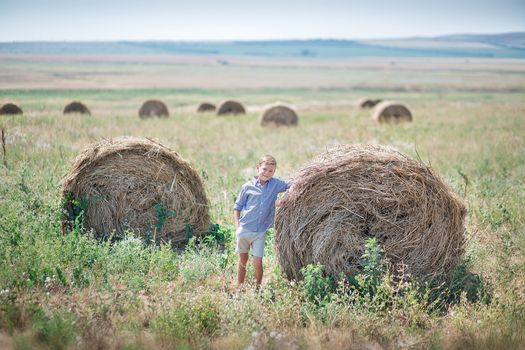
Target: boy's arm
<point>287,189</point>
<point>236,217</point>
<point>285,185</point>
<point>237,207</point>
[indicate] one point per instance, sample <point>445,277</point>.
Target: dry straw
<point>76,107</point>
<point>206,107</point>
<point>366,103</point>
<point>153,108</point>
<point>279,115</point>
<point>388,111</point>
<point>136,184</point>
<point>352,193</point>
<point>10,109</point>
<point>231,107</point>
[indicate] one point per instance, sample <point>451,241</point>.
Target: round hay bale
<point>153,108</point>
<point>231,107</point>
<point>10,109</point>
<point>388,111</point>
<point>367,103</point>
<point>206,107</point>
<point>279,115</point>
<point>129,183</point>
<point>352,193</point>
<point>76,107</point>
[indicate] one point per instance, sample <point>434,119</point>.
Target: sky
<point>191,20</point>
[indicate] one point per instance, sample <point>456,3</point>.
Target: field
<point>61,291</point>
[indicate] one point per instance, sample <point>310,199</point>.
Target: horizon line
<point>260,39</point>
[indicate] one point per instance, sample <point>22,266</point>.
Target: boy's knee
<point>243,257</point>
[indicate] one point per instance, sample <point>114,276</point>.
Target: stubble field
<point>68,291</point>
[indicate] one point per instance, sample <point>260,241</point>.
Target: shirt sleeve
<point>284,185</point>
<point>241,199</point>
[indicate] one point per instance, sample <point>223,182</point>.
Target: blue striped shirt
<point>256,203</point>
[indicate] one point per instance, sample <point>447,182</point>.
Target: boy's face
<point>265,172</point>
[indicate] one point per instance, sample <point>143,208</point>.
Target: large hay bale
<point>352,193</point>
<point>206,107</point>
<point>10,109</point>
<point>76,107</point>
<point>389,111</point>
<point>366,103</point>
<point>231,107</point>
<point>279,115</point>
<point>129,183</point>
<point>153,108</point>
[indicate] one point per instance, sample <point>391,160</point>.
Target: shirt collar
<point>255,181</point>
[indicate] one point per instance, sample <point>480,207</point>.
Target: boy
<point>256,201</point>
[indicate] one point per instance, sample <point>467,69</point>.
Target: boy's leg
<point>242,247</point>
<point>258,269</point>
<point>241,274</point>
<point>258,252</point>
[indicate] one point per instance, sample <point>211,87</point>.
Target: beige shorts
<point>247,239</point>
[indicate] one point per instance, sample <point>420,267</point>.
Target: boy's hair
<point>268,159</point>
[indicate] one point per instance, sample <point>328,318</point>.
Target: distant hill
<point>507,40</point>
<point>508,45</point>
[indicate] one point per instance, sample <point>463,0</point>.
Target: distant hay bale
<point>352,193</point>
<point>76,107</point>
<point>206,107</point>
<point>129,183</point>
<point>279,115</point>
<point>231,107</point>
<point>388,111</point>
<point>153,108</point>
<point>10,109</point>
<point>366,103</point>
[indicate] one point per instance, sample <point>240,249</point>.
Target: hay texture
<point>391,112</point>
<point>153,108</point>
<point>366,103</point>
<point>136,184</point>
<point>206,107</point>
<point>352,193</point>
<point>10,109</point>
<point>231,107</point>
<point>76,107</point>
<point>279,115</point>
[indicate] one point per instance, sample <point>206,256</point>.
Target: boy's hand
<point>286,196</point>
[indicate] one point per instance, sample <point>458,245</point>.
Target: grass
<point>68,291</point>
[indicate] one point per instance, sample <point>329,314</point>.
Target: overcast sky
<point>51,20</point>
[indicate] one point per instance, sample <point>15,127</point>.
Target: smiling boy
<point>253,214</point>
